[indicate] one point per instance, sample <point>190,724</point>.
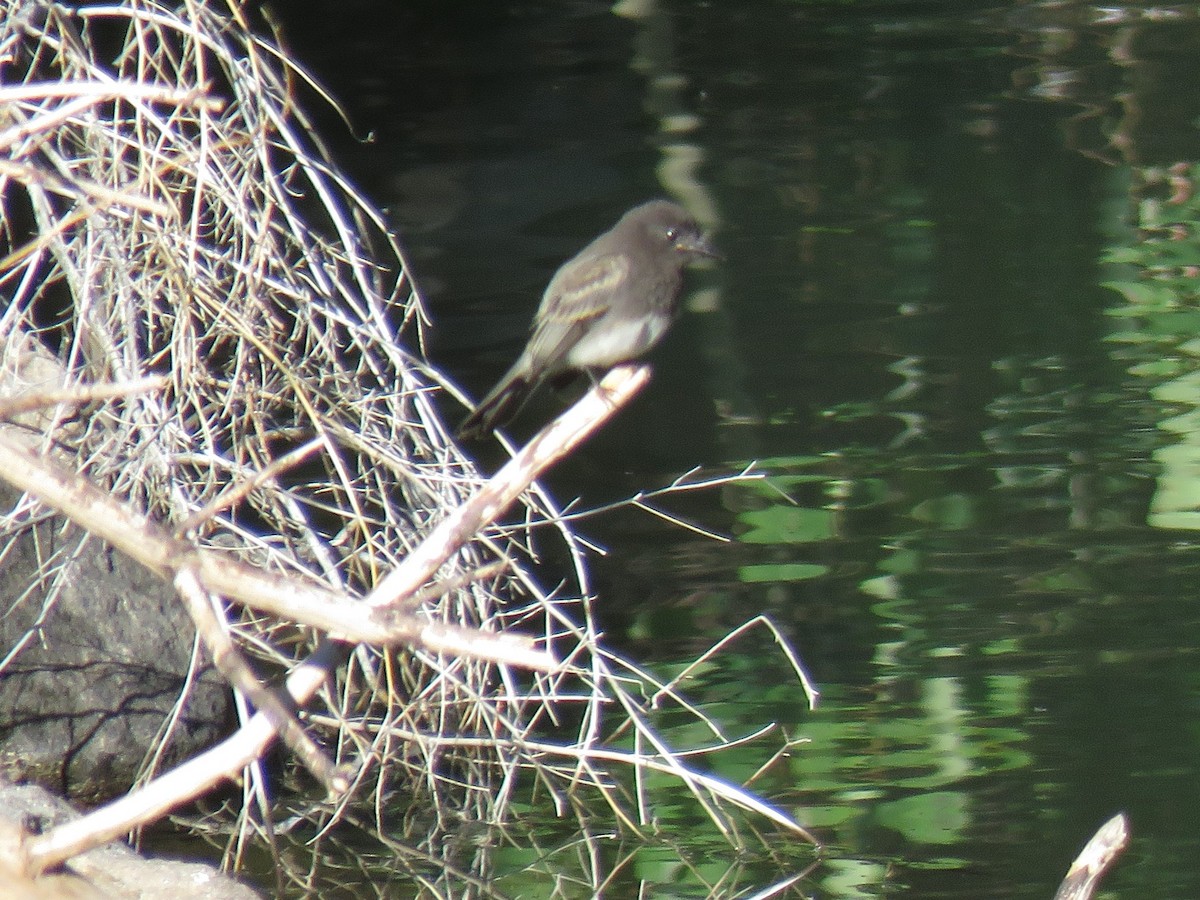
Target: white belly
<point>609,343</point>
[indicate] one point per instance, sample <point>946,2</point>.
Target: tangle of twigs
<point>167,211</point>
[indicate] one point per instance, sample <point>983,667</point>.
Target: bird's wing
<point>580,293</point>
<point>575,296</point>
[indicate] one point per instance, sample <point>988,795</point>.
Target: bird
<point>608,304</point>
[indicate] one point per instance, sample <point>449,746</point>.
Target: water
<point>986,553</point>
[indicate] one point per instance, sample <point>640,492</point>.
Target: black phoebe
<point>608,304</point>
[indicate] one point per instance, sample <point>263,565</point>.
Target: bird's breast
<point>616,340</point>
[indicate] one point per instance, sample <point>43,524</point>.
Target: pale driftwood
<point>230,662</point>
<point>296,600</point>
<point>551,444</point>
<point>1095,859</point>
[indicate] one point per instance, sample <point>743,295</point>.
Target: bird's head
<point>669,224</point>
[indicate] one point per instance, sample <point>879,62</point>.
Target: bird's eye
<point>672,234</point>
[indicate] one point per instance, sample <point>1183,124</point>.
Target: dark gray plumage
<point>610,303</point>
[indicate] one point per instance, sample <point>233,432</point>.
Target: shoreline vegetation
<point>211,364</point>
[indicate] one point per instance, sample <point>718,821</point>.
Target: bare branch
<point>240,674</point>
<point>341,617</point>
<point>1095,859</point>
<point>492,499</point>
<point>76,395</point>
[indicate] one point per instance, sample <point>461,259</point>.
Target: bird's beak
<point>698,245</point>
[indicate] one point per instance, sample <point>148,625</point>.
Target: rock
<point>113,871</point>
<point>94,655</point>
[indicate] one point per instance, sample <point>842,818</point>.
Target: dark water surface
<point>956,324</point>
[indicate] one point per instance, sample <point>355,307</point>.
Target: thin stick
<point>551,444</point>
<point>1095,859</point>
<point>238,672</point>
<point>15,404</point>
<point>237,492</point>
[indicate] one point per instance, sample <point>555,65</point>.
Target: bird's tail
<point>501,405</point>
